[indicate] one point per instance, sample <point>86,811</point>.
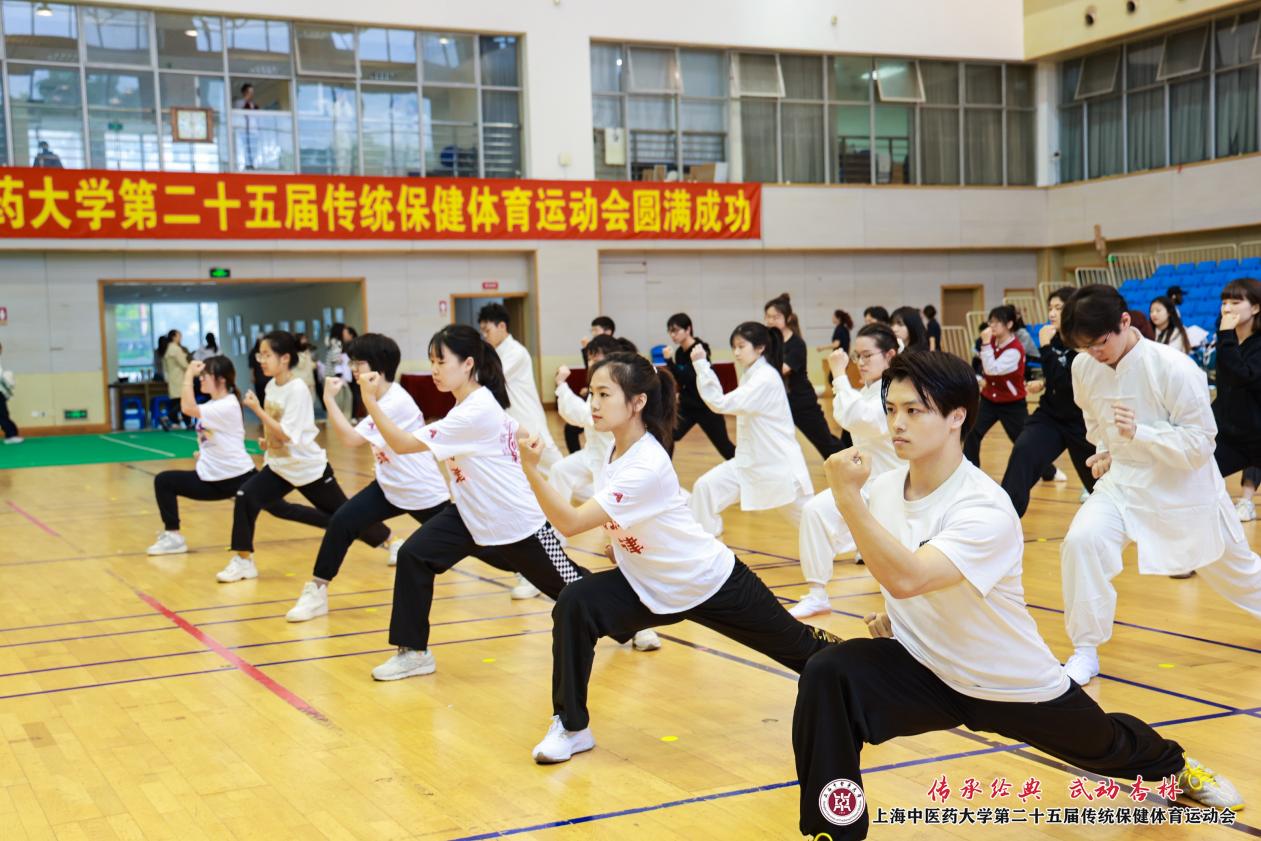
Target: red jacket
<point>1004,370</point>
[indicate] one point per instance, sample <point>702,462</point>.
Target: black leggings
<point>809,418</point>
<point>444,541</point>
<point>268,487</point>
<point>1233,455</point>
<point>604,605</point>
<point>169,485</point>
<point>1040,443</point>
<point>6,423</point>
<point>353,518</point>
<point>868,691</point>
<point>573,438</point>
<point>711,423</point>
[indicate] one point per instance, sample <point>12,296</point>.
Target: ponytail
<point>783,306</point>
<point>466,343</point>
<point>760,336</point>
<point>881,334</point>
<point>635,375</point>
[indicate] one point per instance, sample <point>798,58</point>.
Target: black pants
<point>867,691</point>
<point>573,438</point>
<point>353,518</point>
<point>444,541</point>
<point>169,485</point>
<point>604,605</point>
<point>1011,415</point>
<point>1252,477</point>
<point>1233,455</point>
<point>268,487</point>
<point>710,422</point>
<point>6,422</point>
<point>808,417</point>
<point>175,414</point>
<point>1040,443</point>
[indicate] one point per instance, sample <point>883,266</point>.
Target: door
<point>958,301</point>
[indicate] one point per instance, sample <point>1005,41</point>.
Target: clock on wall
<point>192,125</point>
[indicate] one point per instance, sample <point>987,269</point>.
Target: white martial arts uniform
<point>573,476</point>
<point>1163,490</point>
<point>523,394</point>
<point>823,533</point>
<point>769,470</point>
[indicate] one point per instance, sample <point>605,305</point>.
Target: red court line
<point>32,518</point>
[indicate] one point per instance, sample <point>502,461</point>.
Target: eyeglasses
<point>261,355</point>
<point>1091,348</point>
<point>863,357</point>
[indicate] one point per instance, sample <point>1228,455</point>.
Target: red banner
<point>109,204</point>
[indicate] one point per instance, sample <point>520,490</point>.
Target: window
<point>391,131</point>
<point>326,49</point>
<point>1188,121</point>
<point>189,42</point>
<point>1145,106</point>
<point>1236,85</point>
<point>500,68</point>
<point>606,68</point>
<point>1099,74</point>
<point>181,90</point>
<point>501,134</point>
<point>47,114</point>
<point>898,81</point>
<point>447,58</point>
<point>116,36</point>
<point>760,140</point>
<point>851,143</point>
<point>258,47</point>
<point>653,70</point>
<point>327,128</point>
<point>122,129</point>
<point>1103,137</point>
<point>759,75</point>
<point>983,124</point>
<point>387,55</point>
<point>41,31</point>
<point>850,80</point>
<point>895,144</point>
<point>940,125</point>
<point>1020,116</point>
<point>652,135</point>
<point>1184,54</point>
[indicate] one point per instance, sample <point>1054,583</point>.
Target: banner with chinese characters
<point>109,204</point>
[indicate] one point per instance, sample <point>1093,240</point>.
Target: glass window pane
<point>606,111</point>
<point>704,124</point>
<point>180,90</point>
<point>258,47</point>
<point>50,35</point>
<point>391,131</point>
<point>502,151</point>
<point>850,141</point>
<point>895,144</point>
<point>1070,75</point>
<point>1071,160</point>
<point>327,128</point>
<point>1020,147</point>
<point>1099,74</point>
<point>758,138</point>
<point>189,42</point>
<point>803,78</point>
<point>652,133</point>
<point>609,147</point>
<point>983,84</point>
<point>703,115</point>
<point>263,141</point>
<point>450,151</point>
<point>939,157</point>
<point>260,94</point>
<point>850,79</point>
<point>898,80</point>
<point>606,68</point>
<point>1237,112</point>
<point>501,107</point>
<point>122,130</point>
<point>1142,60</point>
<point>1020,85</point>
<point>1235,38</point>
<point>447,58</point>
<point>4,146</point>
<point>759,75</point>
<point>387,55</point>
<point>1103,137</point>
<point>1188,121</point>
<point>704,73</point>
<point>983,146</point>
<point>499,61</point>
<point>47,116</point>
<point>116,36</point>
<point>941,82</point>
<point>1184,53</point>
<point>450,105</point>
<point>653,70</point>
<point>650,112</point>
<point>326,49</point>
<point>1146,132</point>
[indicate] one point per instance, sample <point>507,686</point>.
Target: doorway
<point>464,309</point>
<point>958,300</point>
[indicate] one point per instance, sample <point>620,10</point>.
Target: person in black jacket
<point>802,399</point>
<point>692,410</point>
<point>1237,408</point>
<point>1056,424</point>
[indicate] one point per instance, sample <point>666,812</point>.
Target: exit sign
<point>76,414</point>
<point>220,273</point>
<point>490,284</point>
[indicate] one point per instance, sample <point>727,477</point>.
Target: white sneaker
<point>812,604</point>
<point>1246,510</point>
<point>1203,786</point>
<point>523,589</point>
<point>408,662</point>
<point>312,603</point>
<point>168,543</point>
<point>560,744</point>
<point>1085,495</point>
<point>16,439</point>
<point>237,569</point>
<point>394,546</point>
<point>1060,476</point>
<point>1082,666</point>
<point>646,640</point>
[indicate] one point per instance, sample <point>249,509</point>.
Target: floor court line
<point>1178,634</point>
<point>32,518</point>
<point>136,446</point>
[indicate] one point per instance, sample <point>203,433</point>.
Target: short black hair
<point>625,345</point>
<point>942,380</point>
<point>603,345</point>
<point>878,313</point>
<point>246,87</point>
<point>681,320</point>
<point>930,311</point>
<point>1005,313</point>
<point>1063,294</point>
<point>1090,313</point>
<point>380,352</point>
<point>495,314</point>
<point>604,323</point>
<point>282,343</point>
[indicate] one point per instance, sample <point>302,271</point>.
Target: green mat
<point>59,450</point>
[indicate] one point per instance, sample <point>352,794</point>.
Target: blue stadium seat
<point>1185,268</point>
<point>1252,264</point>
<point>1227,265</point>
<point>1163,270</point>
<point>1206,266</point>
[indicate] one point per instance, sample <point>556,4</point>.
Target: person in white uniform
<point>1147,412</point>
<point>572,477</point>
<point>524,407</point>
<point>823,533</point>
<point>668,568</point>
<point>956,646</point>
<point>769,470</point>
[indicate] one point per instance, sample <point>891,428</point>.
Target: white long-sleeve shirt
<point>768,460</point>
<point>577,411</point>
<point>523,394</point>
<point>861,414</point>
<point>1164,480</point>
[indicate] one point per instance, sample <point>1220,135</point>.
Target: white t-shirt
<point>672,564</point>
<point>221,441</point>
<point>300,461</point>
<point>478,441</point>
<point>411,481</point>
<point>977,635</point>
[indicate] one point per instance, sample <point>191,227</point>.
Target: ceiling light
<point>191,33</point>
<point>43,11</point>
<point>444,41</point>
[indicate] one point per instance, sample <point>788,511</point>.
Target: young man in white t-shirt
<point>957,646</point>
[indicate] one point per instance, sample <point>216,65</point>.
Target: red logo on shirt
<point>631,545</point>
<point>618,495</point>
<point>433,433</point>
<point>611,526</point>
<point>514,449</point>
<point>456,472</point>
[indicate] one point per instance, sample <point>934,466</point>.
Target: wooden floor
<point>141,699</point>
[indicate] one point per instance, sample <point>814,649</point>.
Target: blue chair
<point>1206,266</point>
<point>659,355</point>
<point>1164,269</point>
<point>134,417</point>
<point>158,409</point>
<point>1185,268</point>
<point>1227,265</point>
<point>1250,264</point>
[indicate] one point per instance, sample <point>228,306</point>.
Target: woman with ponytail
<point>668,568</point>
<point>768,470</point>
<point>802,400</point>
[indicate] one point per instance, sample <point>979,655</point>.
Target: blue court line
<point>1162,631</point>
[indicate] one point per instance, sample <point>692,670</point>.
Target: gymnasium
<point>875,387</point>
